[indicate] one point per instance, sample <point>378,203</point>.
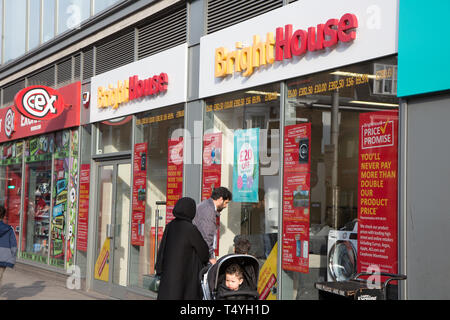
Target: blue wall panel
<point>424,47</point>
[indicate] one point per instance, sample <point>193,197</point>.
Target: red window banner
<point>296,197</point>
<point>212,163</point>
<point>174,175</point>
<point>137,228</point>
<point>212,169</point>
<point>139,194</point>
<point>152,246</point>
<point>83,207</point>
<point>377,192</point>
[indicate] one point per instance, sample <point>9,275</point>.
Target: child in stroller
<point>213,278</point>
<point>234,276</point>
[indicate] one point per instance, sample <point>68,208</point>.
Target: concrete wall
<point>428,198</point>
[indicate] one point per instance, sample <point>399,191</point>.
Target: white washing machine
<point>342,254</point>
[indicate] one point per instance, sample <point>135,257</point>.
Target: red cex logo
<point>39,102</point>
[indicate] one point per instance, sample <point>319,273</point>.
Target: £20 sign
<point>39,102</point>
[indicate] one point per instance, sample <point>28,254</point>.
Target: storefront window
<point>241,152</point>
<point>36,219</point>
<point>11,182</point>
<point>114,135</point>
<point>59,197</point>
<point>156,130</point>
<point>326,110</point>
<point>83,204</point>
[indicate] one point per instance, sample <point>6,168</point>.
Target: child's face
<point>233,282</point>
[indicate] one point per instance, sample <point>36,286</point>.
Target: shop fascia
<point>39,102</point>
<point>285,45</point>
<point>39,108</point>
<point>128,90</point>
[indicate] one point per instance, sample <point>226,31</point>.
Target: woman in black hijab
<point>181,256</point>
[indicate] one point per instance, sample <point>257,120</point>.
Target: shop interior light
<point>11,187</point>
<point>353,74</point>
<point>262,92</point>
<point>380,104</point>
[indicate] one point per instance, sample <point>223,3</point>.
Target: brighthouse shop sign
<point>285,45</point>
<point>128,90</point>
<point>301,38</point>
<point>156,81</point>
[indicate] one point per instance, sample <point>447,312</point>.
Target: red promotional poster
<point>212,168</point>
<point>174,175</point>
<point>212,163</point>
<point>377,192</point>
<point>137,228</point>
<point>139,176</point>
<point>296,197</point>
<point>83,207</point>
<point>15,125</point>
<point>139,194</point>
<point>152,246</point>
<point>12,205</point>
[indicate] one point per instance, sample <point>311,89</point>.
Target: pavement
<point>26,282</point>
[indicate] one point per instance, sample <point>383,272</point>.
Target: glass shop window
<point>241,140</point>
<point>11,183</point>
<point>157,183</point>
<point>324,113</point>
<point>114,135</point>
<point>36,219</point>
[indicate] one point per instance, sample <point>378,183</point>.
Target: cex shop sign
<point>39,102</point>
<point>41,110</point>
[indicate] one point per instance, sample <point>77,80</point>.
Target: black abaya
<point>181,255</point>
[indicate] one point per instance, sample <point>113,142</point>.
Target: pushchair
<point>212,276</point>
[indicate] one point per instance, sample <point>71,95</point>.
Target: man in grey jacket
<point>8,245</point>
<point>206,217</point>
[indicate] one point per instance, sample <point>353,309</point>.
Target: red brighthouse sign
<point>39,102</point>
<point>287,43</point>
<point>131,89</point>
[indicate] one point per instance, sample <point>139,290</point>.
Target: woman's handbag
<point>154,284</point>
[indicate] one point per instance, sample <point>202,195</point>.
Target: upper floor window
<point>30,23</point>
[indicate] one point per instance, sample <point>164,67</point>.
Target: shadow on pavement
<point>11,292</point>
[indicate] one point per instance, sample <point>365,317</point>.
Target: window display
<point>241,152</point>
<point>11,183</point>
<point>59,196</point>
<point>36,221</point>
<point>83,198</point>
<point>331,104</point>
<point>157,183</point>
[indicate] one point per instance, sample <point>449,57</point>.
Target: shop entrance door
<point>113,203</point>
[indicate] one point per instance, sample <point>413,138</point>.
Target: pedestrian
<point>234,277</point>
<point>181,256</point>
<point>8,245</point>
<point>206,219</point>
<point>241,245</point>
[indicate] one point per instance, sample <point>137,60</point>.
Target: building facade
<point>294,106</point>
